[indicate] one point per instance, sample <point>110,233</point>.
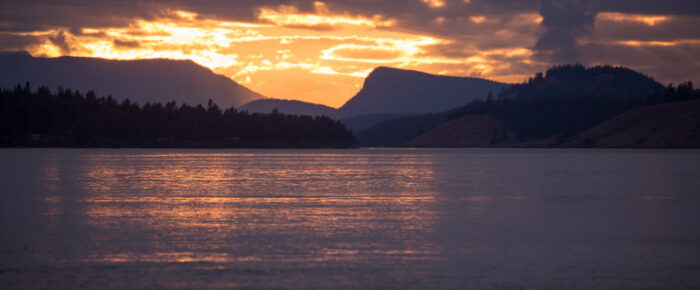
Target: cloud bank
<point>320,51</point>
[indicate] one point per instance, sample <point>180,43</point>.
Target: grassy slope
<point>466,131</point>
<point>671,125</point>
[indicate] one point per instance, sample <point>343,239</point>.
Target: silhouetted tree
<point>67,118</point>
<point>571,98</point>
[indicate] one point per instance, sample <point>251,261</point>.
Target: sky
<point>321,51</point>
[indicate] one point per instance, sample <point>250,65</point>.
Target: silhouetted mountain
<point>405,92</point>
<point>362,122</point>
<point>547,110</point>
<point>390,93</point>
<point>291,107</point>
<point>152,80</point>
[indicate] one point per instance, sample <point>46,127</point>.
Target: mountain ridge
<point>406,92</point>
<point>574,106</point>
<point>543,111</point>
<point>286,106</point>
<point>142,80</point>
<point>381,87</point>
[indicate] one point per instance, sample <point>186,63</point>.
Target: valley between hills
<point>566,106</point>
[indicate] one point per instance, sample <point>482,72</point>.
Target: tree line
<point>67,118</point>
<point>572,98</point>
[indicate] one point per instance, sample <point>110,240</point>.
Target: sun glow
<point>320,56</point>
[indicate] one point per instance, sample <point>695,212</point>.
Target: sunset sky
<point>320,51</point>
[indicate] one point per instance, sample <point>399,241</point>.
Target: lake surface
<point>368,218</point>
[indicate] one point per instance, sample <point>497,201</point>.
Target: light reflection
<point>499,198</point>
<point>50,184</point>
<point>170,257</point>
<point>204,207</point>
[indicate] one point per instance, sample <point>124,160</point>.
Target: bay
<point>366,218</point>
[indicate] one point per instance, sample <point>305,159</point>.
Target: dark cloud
<point>667,64</point>
<point>74,13</point>
<point>20,27</point>
<point>675,7</point>
<point>564,21</point>
<point>61,40</point>
<point>673,28</point>
<point>11,42</point>
<point>126,43</point>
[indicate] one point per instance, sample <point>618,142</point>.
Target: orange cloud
<point>362,53</point>
<point>657,43</point>
<point>434,3</point>
<point>477,19</point>
<point>322,18</point>
<point>650,20</point>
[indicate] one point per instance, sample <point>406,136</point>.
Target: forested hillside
<point>70,119</point>
<point>569,99</point>
<point>546,110</point>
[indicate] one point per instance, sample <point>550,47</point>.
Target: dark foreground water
<point>447,219</point>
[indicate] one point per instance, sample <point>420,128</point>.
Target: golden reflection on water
<point>50,186</point>
<point>216,207</point>
<point>302,207</point>
<point>170,257</point>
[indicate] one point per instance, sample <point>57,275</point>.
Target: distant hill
<point>390,93</point>
<point>288,107</point>
<point>547,110</point>
<point>395,132</point>
<point>293,107</point>
<point>151,80</point>
<point>672,125</point>
<point>567,100</point>
<point>574,81</point>
<point>362,122</point>
<point>669,125</point>
<point>404,92</point>
<point>465,131</point>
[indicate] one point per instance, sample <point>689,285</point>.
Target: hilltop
<point>404,92</point>
<point>288,107</point>
<point>145,80</point>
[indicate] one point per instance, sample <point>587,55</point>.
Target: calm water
<point>449,219</point>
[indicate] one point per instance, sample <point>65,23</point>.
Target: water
<point>448,219</point>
